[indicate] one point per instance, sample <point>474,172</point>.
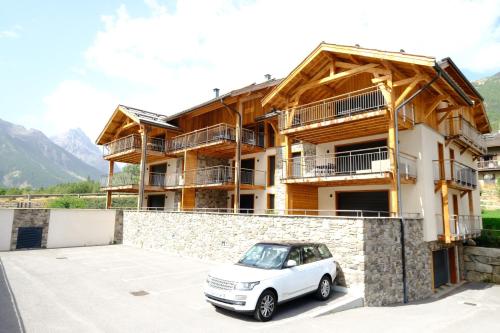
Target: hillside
<point>78,143</point>
<point>29,158</point>
<point>490,89</point>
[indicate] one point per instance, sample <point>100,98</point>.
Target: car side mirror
<point>290,263</point>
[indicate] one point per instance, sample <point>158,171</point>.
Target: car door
<point>293,281</point>
<point>311,262</point>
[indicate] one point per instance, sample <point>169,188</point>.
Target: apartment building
<point>350,131</point>
<point>489,164</point>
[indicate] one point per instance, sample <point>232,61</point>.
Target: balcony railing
<point>340,106</point>
<point>132,141</point>
<point>488,165</point>
<point>211,134</point>
<point>157,179</point>
<point>451,170</point>
<point>465,131</point>
<point>461,226</point>
<point>407,166</point>
<point>355,162</point>
<point>119,179</point>
<point>223,175</point>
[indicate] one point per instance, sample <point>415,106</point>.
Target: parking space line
<point>163,274</point>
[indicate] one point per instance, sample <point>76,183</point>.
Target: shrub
<point>67,202</point>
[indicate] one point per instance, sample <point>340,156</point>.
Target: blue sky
<point>67,64</point>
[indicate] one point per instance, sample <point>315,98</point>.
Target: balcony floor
<point>218,186</point>
<point>133,156</point>
<point>456,185</point>
<point>341,180</point>
<point>133,188</point>
<point>465,143</point>
<point>455,238</point>
<point>220,148</point>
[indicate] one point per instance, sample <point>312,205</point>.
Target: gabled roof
<point>234,93</point>
<point>452,81</point>
<point>138,116</point>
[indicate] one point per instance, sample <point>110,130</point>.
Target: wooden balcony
<point>358,113</point>
<point>128,149</point>
<point>126,182</point>
<point>218,140</point>
<point>462,227</point>
<point>490,165</point>
<point>462,132</point>
<point>457,175</point>
<point>357,167</point>
<point>218,177</point>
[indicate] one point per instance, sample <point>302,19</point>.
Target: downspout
<point>398,183</point>
<point>237,171</point>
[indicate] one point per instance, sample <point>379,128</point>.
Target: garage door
<point>369,202</point>
<point>29,237</point>
<point>441,267</point>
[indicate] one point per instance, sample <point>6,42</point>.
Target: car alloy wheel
<point>266,305</point>
<point>325,288</point>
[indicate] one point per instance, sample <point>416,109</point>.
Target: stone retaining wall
<point>482,264</point>
<point>368,251</point>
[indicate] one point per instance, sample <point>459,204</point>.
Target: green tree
<point>67,202</point>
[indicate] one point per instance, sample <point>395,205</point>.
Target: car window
<point>323,251</point>
<point>310,254</point>
<point>295,255</point>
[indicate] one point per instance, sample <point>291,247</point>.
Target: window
<point>324,252</point>
<point>271,168</point>
<point>310,254</point>
<point>270,203</point>
<point>270,136</point>
<point>295,255</point>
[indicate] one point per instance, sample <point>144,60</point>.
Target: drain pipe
<point>398,183</point>
<point>237,164</point>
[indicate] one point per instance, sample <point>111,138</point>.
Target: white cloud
<point>175,58</point>
<point>76,104</point>
<point>11,33</point>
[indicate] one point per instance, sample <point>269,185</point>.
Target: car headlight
<point>246,285</point>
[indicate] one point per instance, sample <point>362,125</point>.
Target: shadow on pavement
<point>10,319</point>
<point>289,309</point>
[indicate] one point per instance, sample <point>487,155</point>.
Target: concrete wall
<point>367,250</point>
<point>482,264</point>
<point>6,219</point>
<point>80,227</point>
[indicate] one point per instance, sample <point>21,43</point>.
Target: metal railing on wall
<point>458,126</point>
<point>132,141</point>
<point>452,170</point>
<point>461,225</point>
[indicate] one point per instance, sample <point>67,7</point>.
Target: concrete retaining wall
<point>6,219</point>
<point>368,251</point>
<point>80,227</point>
<point>482,264</point>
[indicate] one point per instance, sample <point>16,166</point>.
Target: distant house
<point>321,141</point>
<point>489,164</point>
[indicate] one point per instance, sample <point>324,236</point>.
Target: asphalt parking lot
<point>92,290</point>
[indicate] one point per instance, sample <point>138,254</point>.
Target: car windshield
<point>266,256</point>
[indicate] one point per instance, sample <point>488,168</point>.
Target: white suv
<point>272,273</point>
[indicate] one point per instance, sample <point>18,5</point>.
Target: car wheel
<point>266,305</point>
<point>324,288</point>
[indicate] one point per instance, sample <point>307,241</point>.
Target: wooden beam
<point>434,103</point>
<point>445,212</point>
<point>408,89</point>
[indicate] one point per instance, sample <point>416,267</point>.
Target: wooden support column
<point>445,212</point>
<point>237,159</point>
<point>287,155</point>
<point>189,194</point>
<point>142,175</point>
<point>388,92</point>
<point>471,202</point>
<point>110,182</point>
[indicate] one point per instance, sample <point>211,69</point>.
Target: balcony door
<point>157,174</point>
<point>156,202</point>
<point>247,168</point>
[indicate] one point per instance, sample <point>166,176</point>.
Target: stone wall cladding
<point>30,218</point>
<point>367,250</point>
<point>482,264</point>
<point>211,198</point>
<point>118,237</point>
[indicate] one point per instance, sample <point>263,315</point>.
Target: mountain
<point>29,158</point>
<point>78,143</point>
<point>490,89</point>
